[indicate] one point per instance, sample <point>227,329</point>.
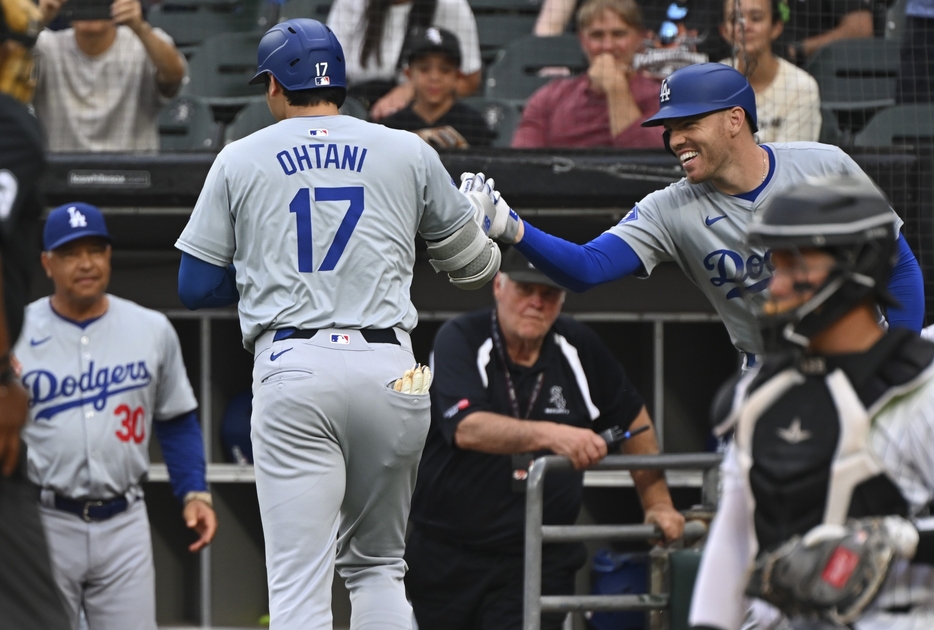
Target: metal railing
<point>536,533</point>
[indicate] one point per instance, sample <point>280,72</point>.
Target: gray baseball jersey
<point>704,231</point>
<point>318,215</point>
<point>95,389</point>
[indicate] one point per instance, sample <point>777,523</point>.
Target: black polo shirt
<point>466,497</point>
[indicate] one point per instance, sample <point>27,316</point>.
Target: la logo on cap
<point>75,218</point>
<point>665,94</point>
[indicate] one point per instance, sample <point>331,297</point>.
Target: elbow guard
<point>468,256</point>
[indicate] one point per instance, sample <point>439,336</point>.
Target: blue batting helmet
<point>302,54</point>
<point>701,89</point>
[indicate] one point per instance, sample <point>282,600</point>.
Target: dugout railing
<point>534,604</point>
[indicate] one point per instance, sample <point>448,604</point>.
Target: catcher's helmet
<point>846,217</point>
<point>302,54</point>
<point>703,88</point>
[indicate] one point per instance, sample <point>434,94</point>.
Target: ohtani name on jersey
<point>308,156</point>
<point>93,387</point>
<point>732,268</point>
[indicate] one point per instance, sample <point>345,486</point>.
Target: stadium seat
<point>684,564</point>
<point>187,124</point>
<point>856,74</point>
<point>189,22</point>
<point>256,116</point>
<point>501,116</point>
<point>830,132</point>
<point>499,22</point>
<point>514,74</point>
<point>899,125</point>
<point>220,71</point>
<point>895,20</point>
<point>316,9</point>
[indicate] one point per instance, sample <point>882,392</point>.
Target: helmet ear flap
<point>666,137</point>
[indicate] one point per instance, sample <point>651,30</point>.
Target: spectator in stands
<point>916,71</point>
<point>101,83</point>
<point>511,383</point>
<point>606,106</point>
<point>812,24</point>
<point>375,35</point>
<point>433,69</point>
<point>787,97</point>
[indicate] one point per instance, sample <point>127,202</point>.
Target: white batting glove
<point>494,215</point>
<point>416,380</point>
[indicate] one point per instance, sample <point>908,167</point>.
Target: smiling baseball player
<point>103,373</point>
<point>318,216</point>
<point>709,114</point>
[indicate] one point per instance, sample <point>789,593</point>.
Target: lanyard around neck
<point>510,388</point>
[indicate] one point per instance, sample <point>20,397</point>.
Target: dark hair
<point>423,11</point>
<point>310,97</point>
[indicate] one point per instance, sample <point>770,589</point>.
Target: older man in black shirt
<point>515,379</point>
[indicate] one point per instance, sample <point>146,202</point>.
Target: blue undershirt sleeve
<point>204,285</point>
<point>183,451</point>
<point>906,285</point>
<point>579,267</point>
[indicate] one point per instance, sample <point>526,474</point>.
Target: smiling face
<point>701,143</point>
<point>80,271</point>
<point>609,33</point>
<point>755,34</point>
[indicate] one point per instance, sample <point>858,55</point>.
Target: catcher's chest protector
<point>803,438</point>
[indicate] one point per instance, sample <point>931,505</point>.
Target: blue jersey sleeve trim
<point>906,285</point>
<point>183,451</point>
<point>204,285</point>
<point>579,267</point>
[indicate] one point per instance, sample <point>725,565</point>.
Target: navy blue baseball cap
<point>72,221</point>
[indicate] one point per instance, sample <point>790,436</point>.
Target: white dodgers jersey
<point>94,390</point>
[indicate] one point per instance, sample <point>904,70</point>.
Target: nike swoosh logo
<point>710,221</point>
<point>33,342</point>
<point>274,355</point>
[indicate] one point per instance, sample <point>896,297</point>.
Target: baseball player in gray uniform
<point>709,113</point>
<point>318,215</point>
<point>103,373</point>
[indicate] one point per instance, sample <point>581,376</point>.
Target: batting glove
<point>494,215</point>
<point>416,380</point>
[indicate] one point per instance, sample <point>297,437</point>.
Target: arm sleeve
<point>906,285</point>
<point>183,451</point>
<point>458,389</point>
<point>204,285</point>
<point>532,131</point>
<point>579,267</point>
<point>719,599</point>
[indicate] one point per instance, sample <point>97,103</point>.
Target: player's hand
<point>50,9</point>
<point>13,405</point>
<point>606,74</point>
<point>200,517</point>
<point>498,220</point>
<point>394,100</point>
<point>582,446</point>
<point>127,12</point>
<point>668,519</point>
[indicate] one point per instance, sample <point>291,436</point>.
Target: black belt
<point>92,509</point>
<point>372,335</point>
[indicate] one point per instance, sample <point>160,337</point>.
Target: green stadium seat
<point>830,132</point>
<point>187,124</point>
<point>856,74</point>
<point>899,126</point>
<point>514,74</point>
<point>219,73</point>
<point>189,22</point>
<point>315,9</point>
<point>501,116</point>
<point>684,564</point>
<point>499,22</point>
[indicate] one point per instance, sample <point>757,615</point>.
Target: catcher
<point>830,470</point>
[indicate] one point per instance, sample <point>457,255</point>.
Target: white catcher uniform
<point>95,389</point>
<point>704,231</point>
<point>319,215</point>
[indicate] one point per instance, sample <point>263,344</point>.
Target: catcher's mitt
<point>833,572</point>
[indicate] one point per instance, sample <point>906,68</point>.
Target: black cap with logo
<point>423,41</point>
<point>519,269</point>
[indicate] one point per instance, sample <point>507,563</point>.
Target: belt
<point>92,509</point>
<point>372,335</point>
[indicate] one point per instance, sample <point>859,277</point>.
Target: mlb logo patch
<point>340,339</point>
<point>317,132</point>
<point>319,81</point>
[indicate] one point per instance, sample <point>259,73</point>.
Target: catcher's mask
<point>850,220</point>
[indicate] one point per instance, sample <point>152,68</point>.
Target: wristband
<point>204,497</point>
